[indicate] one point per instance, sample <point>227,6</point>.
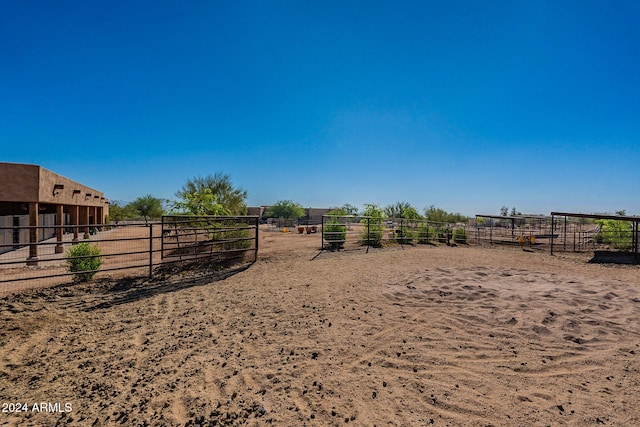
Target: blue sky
<point>466,105</point>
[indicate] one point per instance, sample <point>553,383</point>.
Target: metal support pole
<point>426,224</point>
<point>150,251</point>
<point>513,229</point>
<point>491,231</point>
<point>368,235</point>
<point>257,220</point>
<point>322,232</point>
<point>635,241</point>
<point>162,229</point>
<point>553,218</point>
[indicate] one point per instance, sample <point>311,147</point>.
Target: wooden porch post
<point>85,221</point>
<point>59,228</point>
<point>75,216</point>
<point>33,234</point>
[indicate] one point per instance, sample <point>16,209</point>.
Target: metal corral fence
<point>514,230</point>
<point>350,232</point>
<point>612,238</point>
<point>222,239</point>
<point>133,249</point>
<point>560,232</point>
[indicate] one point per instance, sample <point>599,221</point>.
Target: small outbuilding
<point>37,204</point>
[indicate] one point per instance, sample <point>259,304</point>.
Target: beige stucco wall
<point>255,210</point>
<point>31,183</point>
<point>73,193</point>
<point>317,212</point>
<point>19,183</point>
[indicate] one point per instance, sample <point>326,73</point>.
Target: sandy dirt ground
<point>413,336</point>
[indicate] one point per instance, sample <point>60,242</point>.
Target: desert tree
<point>436,214</point>
<point>287,209</point>
<point>373,210</point>
<point>349,209</point>
<point>199,189</point>
<point>618,233</point>
<point>504,211</point>
<point>372,233</point>
<point>119,212</point>
<point>395,210</point>
<point>147,206</point>
<point>411,213</point>
<point>201,202</point>
<point>402,210</point>
<point>344,210</point>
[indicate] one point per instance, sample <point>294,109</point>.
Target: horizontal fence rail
<point>560,234</point>
<point>349,232</point>
<point>133,249</point>
<point>613,238</point>
<point>195,237</point>
<point>513,230</point>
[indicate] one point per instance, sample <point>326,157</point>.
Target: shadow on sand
<point>614,257</point>
<point>128,290</point>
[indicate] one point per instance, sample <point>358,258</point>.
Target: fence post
<point>553,221</point>
<point>477,232</point>
<point>368,233</point>
<point>491,231</point>
<point>634,241</point>
<point>257,240</point>
<point>150,251</point>
<point>162,238</point>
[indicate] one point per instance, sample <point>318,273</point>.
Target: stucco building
<point>312,215</point>
<point>37,204</point>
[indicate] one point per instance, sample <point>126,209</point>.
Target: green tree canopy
<point>345,210</point>
<point>337,212</point>
<point>286,209</point>
<point>504,211</point>
<point>435,214</point>
<point>411,213</point>
<point>148,207</point>
<point>373,210</point>
<point>196,193</point>
<point>616,232</point>
<point>349,209</point>
<point>372,233</point>
<point>402,210</point>
<point>201,202</point>
<point>119,212</point>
